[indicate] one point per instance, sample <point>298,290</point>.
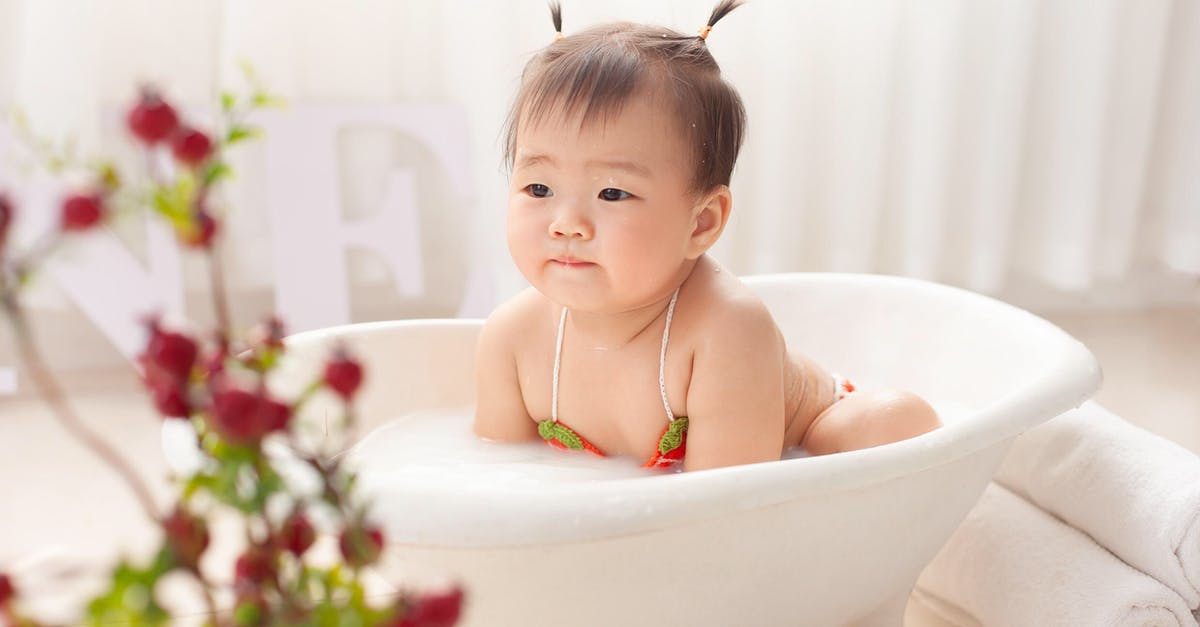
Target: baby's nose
<point>570,223</point>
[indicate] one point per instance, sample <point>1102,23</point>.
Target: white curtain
<point>977,143</point>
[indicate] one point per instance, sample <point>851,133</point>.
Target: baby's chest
<point>613,400</point>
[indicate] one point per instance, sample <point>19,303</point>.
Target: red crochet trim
<point>672,445</point>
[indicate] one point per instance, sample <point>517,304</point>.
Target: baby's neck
<point>613,331</point>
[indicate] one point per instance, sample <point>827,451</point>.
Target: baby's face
<point>599,218</point>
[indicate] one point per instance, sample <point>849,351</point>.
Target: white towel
<point>1135,493</point>
<point>1010,563</point>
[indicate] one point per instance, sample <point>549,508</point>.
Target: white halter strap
<point>662,361</point>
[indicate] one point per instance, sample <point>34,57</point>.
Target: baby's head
<point>621,143</point>
<point>588,77</point>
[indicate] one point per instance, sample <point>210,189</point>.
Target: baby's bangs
<point>592,82</point>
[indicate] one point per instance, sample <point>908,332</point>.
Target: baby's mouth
<point>568,261</point>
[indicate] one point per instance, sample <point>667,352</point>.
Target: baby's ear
<point>708,220</point>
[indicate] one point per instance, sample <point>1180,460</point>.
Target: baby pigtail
<point>556,16</point>
<point>721,10</point>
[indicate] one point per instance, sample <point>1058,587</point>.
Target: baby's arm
<point>736,398</point>
<point>500,413</point>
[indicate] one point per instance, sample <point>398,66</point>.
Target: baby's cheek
<point>521,242</point>
<point>642,259</point>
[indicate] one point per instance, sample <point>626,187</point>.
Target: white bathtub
<point>830,540</point>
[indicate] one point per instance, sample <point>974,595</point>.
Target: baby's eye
<point>614,194</point>
<point>537,190</point>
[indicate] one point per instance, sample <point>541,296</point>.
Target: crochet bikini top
<point>672,444</point>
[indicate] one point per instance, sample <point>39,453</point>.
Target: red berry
<point>172,353</point>
<point>344,375</point>
<point>191,146</point>
<point>7,590</point>
<point>214,364</point>
<point>361,546</point>
<point>256,565</point>
<point>152,120</point>
<point>170,400</point>
<point>81,212</point>
<point>244,418</point>
<point>273,415</point>
<point>437,609</point>
<point>235,416</point>
<point>187,536</point>
<point>274,333</point>
<point>6,216</point>
<point>200,233</point>
<point>297,534</point>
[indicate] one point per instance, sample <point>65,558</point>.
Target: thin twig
<point>53,394</point>
<point>205,589</point>
<point>217,281</point>
<point>40,250</point>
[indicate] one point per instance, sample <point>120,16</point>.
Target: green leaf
<point>196,483</point>
<point>163,563</point>
<point>130,600</point>
<point>247,614</point>
<point>175,203</point>
<point>264,100</point>
<point>238,133</point>
<point>216,171</point>
<point>108,175</point>
<point>248,71</point>
<point>228,101</point>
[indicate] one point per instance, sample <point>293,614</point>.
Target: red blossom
<point>191,147</point>
<point>343,374</point>
<point>274,333</point>
<point>245,418</point>
<point>187,535</point>
<point>170,400</point>
<point>256,565</point>
<point>81,212</point>
<point>434,609</point>
<point>7,590</point>
<point>172,353</point>
<point>152,119</point>
<point>297,534</point>
<point>6,217</point>
<point>201,232</point>
<point>361,546</point>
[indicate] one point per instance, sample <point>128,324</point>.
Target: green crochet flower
<point>674,435</point>
<point>550,430</point>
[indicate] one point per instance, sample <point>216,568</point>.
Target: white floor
<point>55,498</point>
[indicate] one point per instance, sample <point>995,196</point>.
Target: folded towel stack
<point>1090,521</point>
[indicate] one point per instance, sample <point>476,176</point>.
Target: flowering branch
<point>220,388</point>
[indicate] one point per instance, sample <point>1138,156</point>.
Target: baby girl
<point>631,341</point>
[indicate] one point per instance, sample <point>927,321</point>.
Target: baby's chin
<point>578,300</point>
<point>594,298</point>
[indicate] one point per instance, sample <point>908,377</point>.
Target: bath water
<point>431,481</point>
<point>438,448</point>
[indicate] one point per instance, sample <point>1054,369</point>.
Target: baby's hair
<point>596,71</point>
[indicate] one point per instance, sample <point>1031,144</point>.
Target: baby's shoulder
<point>518,316</point>
<point>725,303</point>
